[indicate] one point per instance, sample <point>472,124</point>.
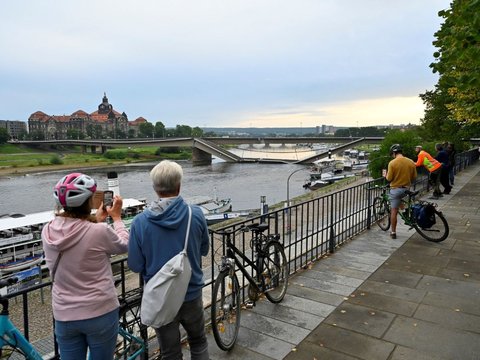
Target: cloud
<point>366,112</point>
<point>208,62</point>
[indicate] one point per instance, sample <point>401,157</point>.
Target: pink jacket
<point>83,286</point>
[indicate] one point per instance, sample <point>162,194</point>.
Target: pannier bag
<point>164,293</point>
<point>424,215</point>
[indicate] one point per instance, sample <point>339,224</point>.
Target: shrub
<point>115,154</point>
<point>55,160</point>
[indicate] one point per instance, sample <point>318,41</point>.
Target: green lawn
<point>17,156</point>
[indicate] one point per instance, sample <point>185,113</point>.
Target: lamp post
<point>263,207</point>
<point>288,184</point>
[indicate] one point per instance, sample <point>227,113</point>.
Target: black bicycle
<point>437,228</point>
<point>271,278</point>
<point>132,342</point>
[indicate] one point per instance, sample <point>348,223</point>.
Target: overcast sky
<point>219,63</point>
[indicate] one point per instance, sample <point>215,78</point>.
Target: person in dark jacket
<point>157,235</point>
<point>450,148</point>
<point>442,157</point>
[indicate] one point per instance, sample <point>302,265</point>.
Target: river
<point>243,183</point>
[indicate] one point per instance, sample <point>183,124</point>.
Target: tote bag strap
<point>188,228</point>
<point>54,270</point>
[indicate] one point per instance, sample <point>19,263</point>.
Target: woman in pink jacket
<point>77,250</point>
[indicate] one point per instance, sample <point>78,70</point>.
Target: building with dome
<point>105,122</point>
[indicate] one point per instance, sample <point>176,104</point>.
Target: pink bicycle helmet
<point>74,189</point>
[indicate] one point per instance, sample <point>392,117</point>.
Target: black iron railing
<point>309,230</point>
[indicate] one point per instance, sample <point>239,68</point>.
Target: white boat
<point>214,218</point>
<point>210,205</point>
<point>20,236</point>
<point>327,165</point>
<point>315,184</point>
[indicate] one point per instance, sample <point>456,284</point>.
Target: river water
<point>243,183</point>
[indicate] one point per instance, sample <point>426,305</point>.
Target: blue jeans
<point>98,334</point>
<point>191,317</point>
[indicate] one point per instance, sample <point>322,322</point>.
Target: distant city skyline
<point>213,64</point>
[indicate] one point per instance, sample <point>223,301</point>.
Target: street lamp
<point>263,207</point>
<point>288,184</point>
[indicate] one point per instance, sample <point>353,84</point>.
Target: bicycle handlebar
<point>229,231</point>
<point>375,187</point>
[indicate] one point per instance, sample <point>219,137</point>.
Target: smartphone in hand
<point>107,198</point>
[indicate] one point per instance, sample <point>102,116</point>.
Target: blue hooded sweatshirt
<point>158,234</point>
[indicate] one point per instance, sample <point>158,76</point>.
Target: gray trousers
<point>190,316</point>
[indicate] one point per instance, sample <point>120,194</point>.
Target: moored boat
<point>20,236</point>
<point>214,218</point>
<point>210,205</point>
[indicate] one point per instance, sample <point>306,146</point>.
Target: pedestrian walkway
<point>378,298</point>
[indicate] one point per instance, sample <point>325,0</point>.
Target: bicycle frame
<point>407,201</point>
<point>232,251</point>
<point>133,339</point>
<point>11,336</point>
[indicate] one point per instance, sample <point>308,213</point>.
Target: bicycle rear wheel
<point>130,342</point>
<point>438,231</point>
<point>225,310</point>
<point>274,271</point>
<point>381,213</point>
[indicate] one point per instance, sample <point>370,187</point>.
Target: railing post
<point>331,240</point>
<point>369,209</point>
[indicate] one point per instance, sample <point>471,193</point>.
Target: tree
<point>197,132</point>
<point>438,123</point>
<point>379,160</point>
<point>183,131</point>
<point>75,134</point>
<point>159,129</point>
<point>146,130</point>
<point>457,62</point>
<point>4,137</point>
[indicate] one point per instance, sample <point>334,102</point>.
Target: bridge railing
<point>309,231</point>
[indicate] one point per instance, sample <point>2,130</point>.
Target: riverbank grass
<point>19,159</point>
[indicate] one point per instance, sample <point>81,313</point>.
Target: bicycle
<point>129,345</point>
<point>381,215</point>
<point>11,339</point>
<point>271,268</point>
<point>132,342</point>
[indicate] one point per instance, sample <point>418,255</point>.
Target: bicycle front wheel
<point>274,271</point>
<point>438,231</point>
<point>381,213</point>
<point>131,342</point>
<point>225,310</point>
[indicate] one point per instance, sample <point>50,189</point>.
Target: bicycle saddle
<point>258,227</point>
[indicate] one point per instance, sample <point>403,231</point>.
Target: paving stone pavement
<point>378,298</point>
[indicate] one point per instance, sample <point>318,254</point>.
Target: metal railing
<point>309,231</point>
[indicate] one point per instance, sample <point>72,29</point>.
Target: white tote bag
<point>164,293</point>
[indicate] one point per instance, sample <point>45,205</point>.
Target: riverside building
<point>105,122</point>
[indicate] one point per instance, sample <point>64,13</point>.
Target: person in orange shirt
<point>433,166</point>
<point>401,173</point>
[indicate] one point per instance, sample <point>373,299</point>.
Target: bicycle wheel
<point>437,232</point>
<point>130,342</point>
<point>274,271</point>
<point>381,213</point>
<point>225,310</point>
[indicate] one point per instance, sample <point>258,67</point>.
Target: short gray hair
<point>166,177</point>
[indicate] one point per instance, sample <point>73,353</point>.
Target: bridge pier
<point>200,157</point>
<point>84,149</point>
<point>94,149</point>
<point>104,149</point>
